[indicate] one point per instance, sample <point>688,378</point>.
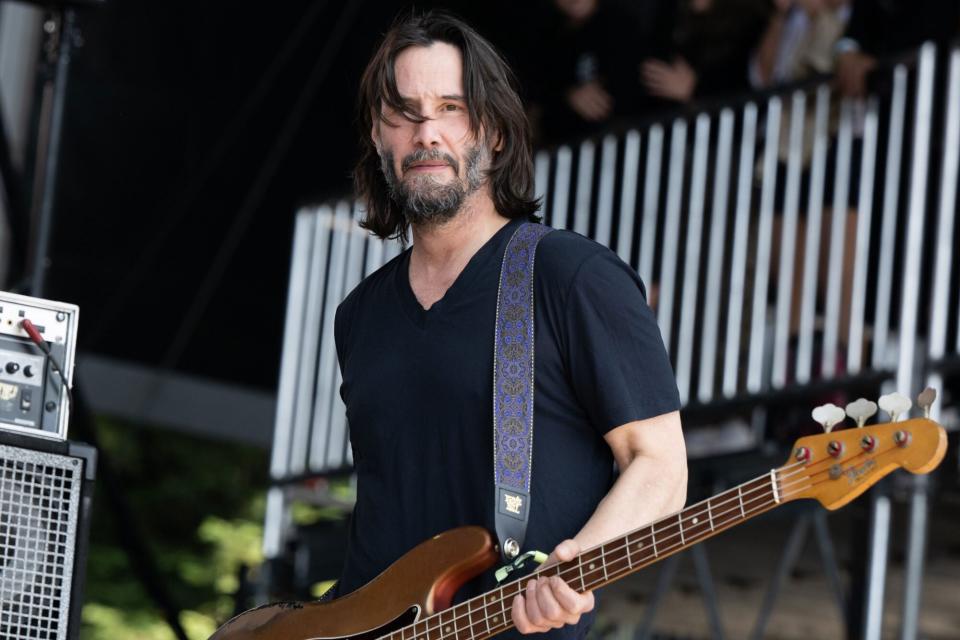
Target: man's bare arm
<point>653,478</point>
<point>652,484</point>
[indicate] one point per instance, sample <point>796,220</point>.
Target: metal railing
<point>709,210</point>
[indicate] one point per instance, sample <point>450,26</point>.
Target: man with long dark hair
<point>447,158</point>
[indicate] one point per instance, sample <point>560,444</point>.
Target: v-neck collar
<point>412,307</point>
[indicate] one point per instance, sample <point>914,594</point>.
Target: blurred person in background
<point>799,41</point>
<point>880,28</point>
<point>711,48</point>
<point>587,72</point>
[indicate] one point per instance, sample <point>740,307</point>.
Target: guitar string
<point>516,588</point>
<point>576,570</point>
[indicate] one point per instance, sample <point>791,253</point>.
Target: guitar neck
<point>486,615</point>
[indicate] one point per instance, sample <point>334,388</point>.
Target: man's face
<point>430,166</point>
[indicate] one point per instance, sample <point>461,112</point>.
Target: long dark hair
<point>492,103</point>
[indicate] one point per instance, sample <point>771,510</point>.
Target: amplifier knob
<point>12,367</point>
<point>28,371</point>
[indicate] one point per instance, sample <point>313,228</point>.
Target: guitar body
<point>420,583</point>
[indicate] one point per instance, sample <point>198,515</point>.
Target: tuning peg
<point>895,403</point>
<point>926,399</point>
<point>828,416</point>
<point>861,410</point>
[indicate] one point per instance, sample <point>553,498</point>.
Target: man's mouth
<point>428,166</point>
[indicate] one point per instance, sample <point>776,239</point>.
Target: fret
<point>740,497</point>
<point>710,513</point>
<point>583,583</point>
<point>417,634</point>
<point>683,541</point>
<point>773,485</point>
<point>603,562</point>
<point>486,616</point>
<point>653,538</point>
<point>470,621</point>
<point>503,608</point>
<point>450,625</point>
<point>629,552</point>
<point>697,522</point>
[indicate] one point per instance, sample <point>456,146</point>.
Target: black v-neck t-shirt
<point>418,389</point>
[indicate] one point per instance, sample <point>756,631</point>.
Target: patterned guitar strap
<point>513,389</point>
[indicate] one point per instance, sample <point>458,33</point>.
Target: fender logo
<point>856,474</point>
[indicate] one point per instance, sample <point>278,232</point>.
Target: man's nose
<point>427,134</point>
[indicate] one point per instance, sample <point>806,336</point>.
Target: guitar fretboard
<point>486,615</point>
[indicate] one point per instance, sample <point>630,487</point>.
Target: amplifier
<point>46,494</point>
<point>33,396</point>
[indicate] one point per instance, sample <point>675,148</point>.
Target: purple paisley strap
<point>513,388</point>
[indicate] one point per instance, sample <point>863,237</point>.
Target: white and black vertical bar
<point>338,440</point>
<point>838,235</point>
<point>327,363</point>
<point>651,201</point>
<point>561,188</point>
<point>858,293</point>
<point>741,236</point>
<point>811,254</point>
<point>581,214</point>
<point>764,240</point>
<point>671,233</point>
<point>293,338</point>
<point>628,195</point>
<point>608,174</point>
<point>312,328</point>
<point>718,233</point>
<point>945,261</point>
<point>909,303</point>
<point>910,289</point>
<point>788,241</point>
<point>691,268</point>
<point>891,196</point>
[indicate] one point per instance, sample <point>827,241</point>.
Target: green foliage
<point>200,506</point>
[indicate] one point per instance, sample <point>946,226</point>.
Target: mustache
<point>422,155</point>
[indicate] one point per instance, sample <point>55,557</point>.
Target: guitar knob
<point>895,404</point>
<point>828,415</point>
<point>835,448</point>
<point>868,443</point>
<point>802,454</point>
<point>902,438</point>
<point>926,399</point>
<point>861,409</point>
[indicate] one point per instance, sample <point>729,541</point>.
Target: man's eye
<point>451,107</point>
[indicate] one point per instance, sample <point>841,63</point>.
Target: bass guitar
<point>411,599</point>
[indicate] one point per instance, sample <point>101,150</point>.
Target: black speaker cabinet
<point>46,492</point>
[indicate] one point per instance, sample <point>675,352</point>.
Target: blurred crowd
<point>602,60</point>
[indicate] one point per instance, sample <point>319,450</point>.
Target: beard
<point>426,200</point>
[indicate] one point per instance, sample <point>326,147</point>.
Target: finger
<point>520,619</point>
<point>567,550</point>
<point>555,615</point>
<point>570,600</point>
<point>534,614</point>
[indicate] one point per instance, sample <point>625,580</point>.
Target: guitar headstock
<point>837,466</point>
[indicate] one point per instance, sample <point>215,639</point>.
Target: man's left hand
<point>550,603</point>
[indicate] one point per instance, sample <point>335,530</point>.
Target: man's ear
<point>497,142</point>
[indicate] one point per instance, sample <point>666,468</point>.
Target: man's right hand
<point>852,70</point>
<point>590,101</point>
